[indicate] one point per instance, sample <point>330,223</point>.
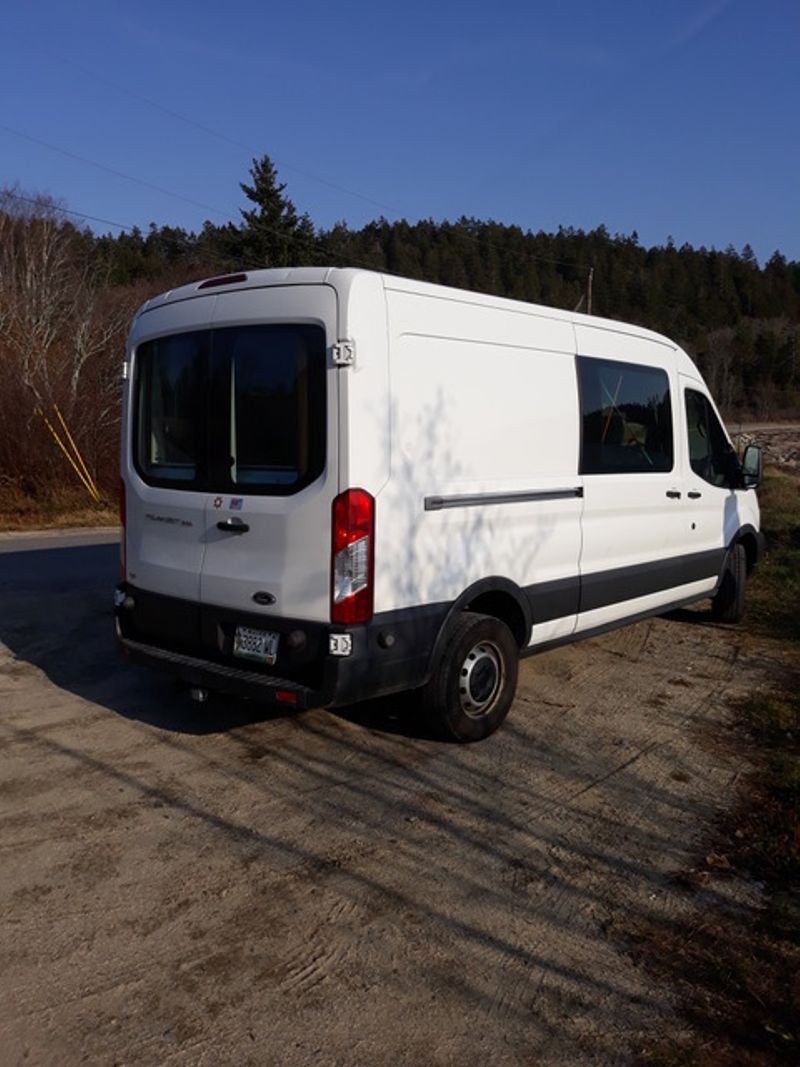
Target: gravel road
<point>185,885</point>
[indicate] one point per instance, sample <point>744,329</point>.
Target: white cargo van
<point>338,484</point>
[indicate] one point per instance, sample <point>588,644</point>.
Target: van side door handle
<point>693,494</point>
<point>233,526</point>
<point>673,494</point>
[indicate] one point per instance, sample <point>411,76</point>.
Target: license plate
<point>260,645</point>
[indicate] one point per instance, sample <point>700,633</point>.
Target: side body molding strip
<point>475,500</point>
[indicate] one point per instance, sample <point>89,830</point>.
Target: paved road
<point>224,886</point>
<point>36,540</point>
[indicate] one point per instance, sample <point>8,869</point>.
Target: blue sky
<point>676,118</point>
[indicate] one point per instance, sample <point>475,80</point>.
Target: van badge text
<point>170,520</point>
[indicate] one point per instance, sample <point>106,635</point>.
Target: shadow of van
<point>57,616</point>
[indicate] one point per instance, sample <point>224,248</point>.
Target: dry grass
<point>53,510</point>
<point>774,595</point>
<point>736,970</point>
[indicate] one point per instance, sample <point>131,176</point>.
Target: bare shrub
<point>62,336</point>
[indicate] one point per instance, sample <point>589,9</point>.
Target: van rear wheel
<point>475,679</point>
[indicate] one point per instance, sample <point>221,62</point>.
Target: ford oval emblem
<point>263,598</point>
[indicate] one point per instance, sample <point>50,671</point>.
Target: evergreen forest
<point>67,296</point>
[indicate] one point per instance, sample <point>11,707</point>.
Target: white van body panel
<point>457,430</point>
<point>364,389</point>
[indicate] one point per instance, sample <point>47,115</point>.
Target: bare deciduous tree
<point>60,333</point>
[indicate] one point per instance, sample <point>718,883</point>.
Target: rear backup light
<point>352,557</point>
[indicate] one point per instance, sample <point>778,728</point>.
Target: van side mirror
<point>752,467</point>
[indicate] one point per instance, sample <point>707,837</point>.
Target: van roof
<point>342,279</point>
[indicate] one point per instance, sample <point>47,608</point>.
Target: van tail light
<point>352,557</point>
<point>123,561</point>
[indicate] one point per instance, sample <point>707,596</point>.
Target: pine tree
<point>273,235</point>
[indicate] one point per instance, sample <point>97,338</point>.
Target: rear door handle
<point>233,526</point>
<point>673,494</point>
<point>693,494</point>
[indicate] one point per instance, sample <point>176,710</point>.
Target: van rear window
<point>626,418</point>
<point>234,409</point>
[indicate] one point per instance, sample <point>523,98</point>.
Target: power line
<point>481,241</point>
<point>215,133</point>
<point>115,173</point>
<point>6,194</point>
<point>210,131</point>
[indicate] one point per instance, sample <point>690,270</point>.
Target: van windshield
<point>238,408</point>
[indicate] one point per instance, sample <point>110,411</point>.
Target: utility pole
<point>589,291</point>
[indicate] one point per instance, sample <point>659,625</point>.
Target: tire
<point>728,602</point>
<point>475,679</point>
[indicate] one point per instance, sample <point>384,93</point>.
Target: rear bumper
<point>388,655</point>
<point>235,680</point>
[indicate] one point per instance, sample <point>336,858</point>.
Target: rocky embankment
<point>781,444</point>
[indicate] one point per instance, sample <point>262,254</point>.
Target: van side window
<point>626,418</point>
<point>710,453</point>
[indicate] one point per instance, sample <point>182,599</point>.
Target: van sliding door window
<point>626,418</point>
<point>235,409</point>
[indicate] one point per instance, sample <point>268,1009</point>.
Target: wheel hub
<point>480,679</point>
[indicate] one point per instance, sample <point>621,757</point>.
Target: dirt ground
<point>216,886</point>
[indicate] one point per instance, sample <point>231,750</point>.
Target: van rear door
<point>273,445</point>
<point>164,463</point>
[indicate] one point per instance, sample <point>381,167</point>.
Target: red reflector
<point>223,279</point>
<point>285,696</point>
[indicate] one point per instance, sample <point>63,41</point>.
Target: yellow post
<point>87,485</point>
<point>77,453</point>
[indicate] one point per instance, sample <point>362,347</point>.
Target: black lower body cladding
<point>195,642</point>
<point>394,652</point>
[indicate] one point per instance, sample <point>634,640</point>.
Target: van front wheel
<point>475,679</point>
<point>728,602</point>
